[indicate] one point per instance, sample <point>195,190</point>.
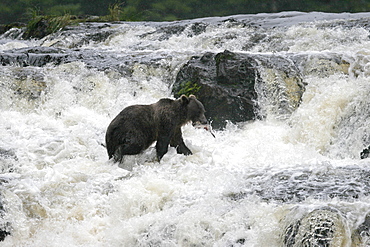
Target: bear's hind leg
<point>161,148</point>
<point>126,149</point>
<point>118,155</point>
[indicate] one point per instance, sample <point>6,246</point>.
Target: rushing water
<point>242,188</point>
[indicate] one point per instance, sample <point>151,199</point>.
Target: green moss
<point>189,88</point>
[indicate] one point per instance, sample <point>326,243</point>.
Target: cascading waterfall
<point>292,178</point>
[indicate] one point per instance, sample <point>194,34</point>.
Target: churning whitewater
<point>287,179</point>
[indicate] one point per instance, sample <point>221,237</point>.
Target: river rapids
<point>296,180</point>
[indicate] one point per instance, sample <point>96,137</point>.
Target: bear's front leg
<point>179,144</point>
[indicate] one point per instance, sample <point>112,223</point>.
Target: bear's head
<point>195,110</point>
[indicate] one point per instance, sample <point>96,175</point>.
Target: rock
<point>365,153</point>
<point>244,86</point>
<point>5,28</point>
<point>223,82</point>
<point>4,225</point>
<point>100,60</point>
<point>41,26</point>
<point>37,56</point>
<point>361,236</point>
<point>177,28</point>
<point>7,159</point>
<point>290,186</point>
<point>231,85</point>
<point>320,227</point>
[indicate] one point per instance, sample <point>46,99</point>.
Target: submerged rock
<point>15,25</point>
<point>4,226</point>
<point>365,153</point>
<point>36,56</point>
<point>7,159</point>
<point>345,183</point>
<point>321,227</point>
<point>100,60</point>
<point>361,236</point>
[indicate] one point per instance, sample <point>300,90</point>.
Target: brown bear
<point>136,127</point>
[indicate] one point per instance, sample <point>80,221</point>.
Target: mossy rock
<point>223,82</point>
<point>41,26</point>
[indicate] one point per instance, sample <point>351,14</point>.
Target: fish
<point>207,127</point>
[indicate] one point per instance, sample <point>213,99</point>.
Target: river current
<point>242,188</point>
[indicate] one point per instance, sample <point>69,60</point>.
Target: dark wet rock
<point>230,85</point>
<point>6,27</point>
<point>100,60</point>
<point>40,26</point>
<point>75,36</point>
<point>224,83</point>
<point>37,56</point>
<point>321,227</point>
<point>38,31</point>
<point>177,28</point>
<point>365,153</point>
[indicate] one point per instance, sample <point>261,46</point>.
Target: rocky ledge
<point>234,86</point>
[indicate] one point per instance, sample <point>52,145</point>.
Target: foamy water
<point>63,191</point>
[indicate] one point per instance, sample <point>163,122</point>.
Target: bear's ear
<point>192,96</point>
<point>184,99</point>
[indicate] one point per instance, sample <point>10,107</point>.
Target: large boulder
<point>223,82</point>
<point>232,85</point>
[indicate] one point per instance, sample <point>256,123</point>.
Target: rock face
<point>223,82</point>
<point>231,85</point>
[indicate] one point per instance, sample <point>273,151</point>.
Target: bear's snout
<point>204,120</point>
<point>200,121</point>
